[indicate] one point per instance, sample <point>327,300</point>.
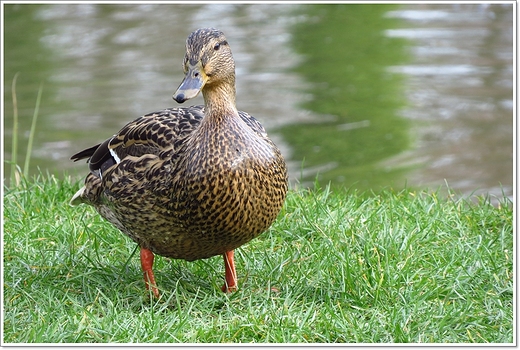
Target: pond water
<point>104,65</point>
<point>460,89</point>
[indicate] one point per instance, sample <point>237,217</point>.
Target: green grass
<point>16,172</point>
<point>407,266</point>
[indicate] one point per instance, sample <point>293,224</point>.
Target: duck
<point>189,182</point>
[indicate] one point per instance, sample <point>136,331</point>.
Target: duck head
<point>208,63</point>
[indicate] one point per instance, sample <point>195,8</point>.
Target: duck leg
<point>147,264</point>
<point>231,275</point>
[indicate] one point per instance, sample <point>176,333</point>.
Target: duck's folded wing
<point>253,123</point>
<point>154,133</point>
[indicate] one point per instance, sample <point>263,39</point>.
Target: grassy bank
<point>348,267</point>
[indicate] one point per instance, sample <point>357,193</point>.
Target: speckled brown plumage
<point>190,183</point>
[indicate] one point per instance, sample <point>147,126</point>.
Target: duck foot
<point>231,274</point>
<point>147,264</point>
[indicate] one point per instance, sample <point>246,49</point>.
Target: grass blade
<point>14,176</point>
<point>31,134</point>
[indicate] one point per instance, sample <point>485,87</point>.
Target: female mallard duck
<point>190,183</point>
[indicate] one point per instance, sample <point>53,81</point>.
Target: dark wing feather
<point>153,133</point>
<point>86,153</point>
<point>156,132</point>
<point>253,123</point>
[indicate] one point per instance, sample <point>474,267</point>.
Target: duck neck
<point>219,100</point>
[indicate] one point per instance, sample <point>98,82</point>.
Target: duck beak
<point>192,84</point>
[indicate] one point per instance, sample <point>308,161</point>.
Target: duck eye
<point>218,45</point>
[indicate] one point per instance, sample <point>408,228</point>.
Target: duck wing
<point>253,124</point>
<point>152,134</point>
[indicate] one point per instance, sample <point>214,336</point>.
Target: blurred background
<point>359,95</point>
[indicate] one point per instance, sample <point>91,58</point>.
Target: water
<point>461,91</point>
<point>103,65</point>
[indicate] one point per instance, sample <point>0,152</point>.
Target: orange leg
<point>147,264</point>
<point>231,274</point>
